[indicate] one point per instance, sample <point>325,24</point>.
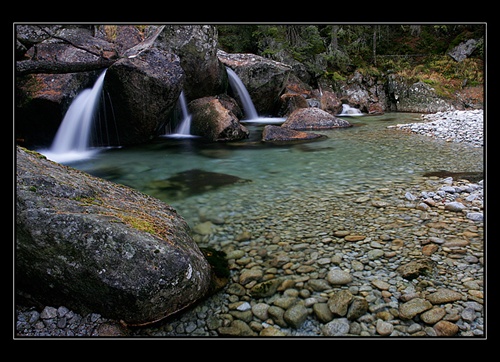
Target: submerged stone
<point>281,134</point>
<point>195,181</point>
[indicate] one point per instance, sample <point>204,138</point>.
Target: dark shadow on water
<point>470,176</point>
<point>193,182</point>
<point>309,148</point>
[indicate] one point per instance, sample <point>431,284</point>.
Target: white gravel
<point>452,126</point>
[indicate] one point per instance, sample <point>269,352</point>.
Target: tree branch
<point>69,42</point>
<point>105,59</point>
<point>25,67</point>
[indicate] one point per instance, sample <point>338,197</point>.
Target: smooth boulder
<point>93,245</point>
<point>303,119</point>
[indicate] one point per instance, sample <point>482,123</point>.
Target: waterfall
<point>347,110</point>
<point>183,130</point>
<point>248,107</point>
<point>72,138</point>
<point>185,125</point>
<point>239,88</point>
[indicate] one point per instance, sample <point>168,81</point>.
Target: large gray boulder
<point>95,246</point>
<point>143,88</point>
<point>196,46</point>
<point>465,49</point>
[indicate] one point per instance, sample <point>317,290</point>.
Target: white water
<point>248,106</point>
<point>183,130</point>
<point>239,88</point>
<point>72,138</point>
<point>347,110</point>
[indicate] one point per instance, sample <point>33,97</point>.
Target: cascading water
<point>240,89</point>
<point>347,110</point>
<point>72,138</point>
<point>183,130</point>
<point>185,126</point>
<point>248,107</point>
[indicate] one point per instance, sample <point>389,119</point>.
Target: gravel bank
<point>455,126</point>
<point>405,260</point>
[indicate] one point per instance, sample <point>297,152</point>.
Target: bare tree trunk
<point>375,45</point>
<point>415,30</point>
<point>292,35</point>
<point>104,59</point>
<point>334,43</point>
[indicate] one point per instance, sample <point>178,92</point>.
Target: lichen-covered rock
<point>419,97</point>
<point>93,245</point>
<point>415,268</point>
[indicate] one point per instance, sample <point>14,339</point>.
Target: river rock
<point>282,134</point>
<point>338,277</point>
<point>313,119</point>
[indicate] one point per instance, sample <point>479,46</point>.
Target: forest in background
<point>333,51</point>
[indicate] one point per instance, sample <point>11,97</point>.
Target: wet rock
<point>322,312</point>
<point>357,308</point>
<point>194,181</point>
<point>337,327</point>
<point>313,119</point>
<point>339,303</point>
<point>213,121</point>
<point>271,332</point>
<point>384,328</point>
<point>277,134</point>
<point>265,289</point>
<point>238,328</point>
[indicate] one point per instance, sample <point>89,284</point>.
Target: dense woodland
<point>334,51</point>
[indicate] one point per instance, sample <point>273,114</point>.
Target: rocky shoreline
<point>455,126</point>
<point>411,266</point>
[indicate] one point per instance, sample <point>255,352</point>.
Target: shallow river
<point>230,179</point>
